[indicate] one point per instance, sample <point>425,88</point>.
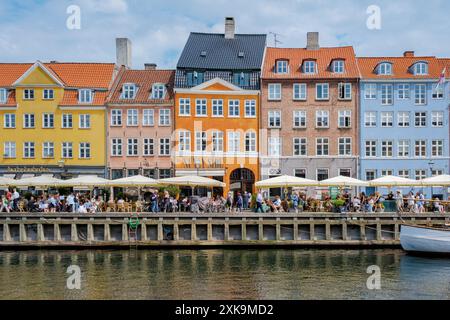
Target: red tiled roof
<point>323,57</point>
<point>71,99</point>
<point>144,80</point>
<point>401,67</point>
<point>445,62</point>
<point>10,72</point>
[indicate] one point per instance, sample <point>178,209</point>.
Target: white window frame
<point>282,66</point>
<point>403,119</point>
<point>299,92</point>
<point>437,119</point>
<point>116,147</point>
<point>250,142</point>
<point>184,107</point>
<point>345,115</point>
<point>148,118</point>
<point>309,67</point>
<point>28,94</point>
<point>85,121</point>
<point>323,144</point>
<point>85,96</point>
<point>67,150</point>
<point>324,115</point>
<point>274,146</point>
<point>132,147</point>
<point>301,116</point>
<point>347,91</point>
<point>300,144</point>
<point>201,107</point>
<point>250,109</point>
<point>158,91</point>
<point>148,147</point>
<point>437,148</point>
<point>370,91</point>
<point>9,150</point>
<point>9,121</point>
<point>420,94</point>
<point>370,148</point>
<point>403,148</point>
<point>27,121</point>
<point>52,117</point>
<point>421,69</point>
<point>48,150</point>
<point>325,91</point>
<point>129,91</point>
<point>274,91</point>
<point>403,91</point>
<point>385,68</point>
<point>387,148</point>
<point>422,116</point>
<point>217,140</point>
<point>420,148</point>
<point>274,119</point>
<point>48,94</point>
<point>164,118</point>
<point>347,143</point>
<point>3,95</point>
<point>184,141</point>
<point>234,142</point>
<point>387,94</point>
<point>84,150</point>
<point>201,141</point>
<point>233,106</point>
<point>217,108</point>
<point>370,116</point>
<point>164,147</point>
<point>132,117</point>
<point>386,119</point>
<point>338,66</point>
<point>28,148</point>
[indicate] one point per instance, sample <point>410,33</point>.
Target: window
<point>132,117</point>
<point>132,172</point>
<point>234,141</point>
<point>165,173</point>
<point>241,79</point>
<point>85,121</point>
<point>344,119</point>
<point>217,141</point>
<point>116,117</point>
<point>345,91</point>
<point>250,141</point>
<point>345,146</point>
<point>28,121</point>
<point>403,173</point>
<point>385,69</point>
<point>300,147</point>
<point>420,149</point>
<point>420,94</point>
<point>387,172</point>
<point>48,94</point>
<point>403,148</point>
<point>299,119</point>
<point>338,66</point>
<point>322,117</point>
<point>437,119</point>
<point>233,108</point>
<point>403,91</point>
<point>274,119</point>
<point>28,94</point>
<point>387,119</point>
<point>437,148</point>
<point>309,67</point>
<point>67,150</point>
<point>200,141</point>
<point>387,148</point>
<point>403,119</point>
<point>322,146</point>
<point>133,147</point>
<point>370,91</point>
<point>164,147</point>
<point>184,144</point>
<point>345,172</point>
<point>371,148</point>
<point>300,173</point>
<point>299,91</point>
<point>116,147</point>
<point>149,147</point>
<point>48,150</point>
<point>438,92</point>
<point>3,95</point>
<point>48,121</point>
<point>194,78</point>
<point>322,91</point>
<point>85,150</point>
<point>164,117</point>
<point>282,66</point>
<point>370,119</point>
<point>371,175</point>
<point>185,107</point>
<point>274,91</point>
<point>274,146</point>
<point>250,108</point>
<point>200,108</point>
<point>128,91</point>
<point>322,174</point>
<point>217,108</point>
<point>67,121</point>
<point>158,91</point>
<point>387,94</point>
<point>421,68</point>
<point>28,150</point>
<point>148,117</point>
<point>437,172</point>
<point>9,150</point>
<point>85,96</point>
<point>421,174</point>
<point>10,121</point>
<point>420,119</point>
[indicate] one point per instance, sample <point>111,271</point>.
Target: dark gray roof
<point>223,54</point>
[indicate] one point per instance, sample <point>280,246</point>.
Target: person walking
<point>16,198</point>
<point>259,203</point>
<point>154,201</point>
<point>399,201</point>
<point>245,200</point>
<point>239,202</point>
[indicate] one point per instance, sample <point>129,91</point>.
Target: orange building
<point>217,94</point>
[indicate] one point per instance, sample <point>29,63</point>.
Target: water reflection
<point>222,274</point>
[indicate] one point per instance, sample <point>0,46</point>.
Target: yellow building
<point>52,118</point>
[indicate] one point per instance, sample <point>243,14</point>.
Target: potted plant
<point>338,205</point>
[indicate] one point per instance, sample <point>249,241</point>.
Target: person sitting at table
<point>31,205</point>
<point>356,204</point>
<point>277,204</point>
<point>438,206</point>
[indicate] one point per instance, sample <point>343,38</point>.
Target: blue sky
<point>36,29</point>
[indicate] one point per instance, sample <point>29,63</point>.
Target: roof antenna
<point>275,39</point>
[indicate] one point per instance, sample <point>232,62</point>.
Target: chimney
<point>230,28</point>
<point>408,54</point>
<point>150,66</point>
<point>123,52</point>
<point>312,39</point>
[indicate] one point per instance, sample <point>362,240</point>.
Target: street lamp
<point>431,164</point>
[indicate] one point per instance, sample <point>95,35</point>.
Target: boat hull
<point>425,240</point>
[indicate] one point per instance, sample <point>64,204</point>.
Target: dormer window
<point>203,54</point>
<point>158,91</point>
<point>338,66</point>
<point>282,66</point>
<point>421,68</point>
<point>128,91</point>
<point>385,68</point>
<point>3,95</point>
<point>85,96</point>
<point>194,78</point>
<point>241,79</point>
<point>309,67</point>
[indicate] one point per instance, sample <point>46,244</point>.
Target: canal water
<point>223,274</point>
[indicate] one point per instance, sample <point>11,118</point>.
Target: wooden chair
<point>21,206</point>
<point>111,206</point>
<point>139,206</point>
<point>121,207</point>
<point>128,207</point>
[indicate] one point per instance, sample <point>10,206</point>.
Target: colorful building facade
<point>52,118</point>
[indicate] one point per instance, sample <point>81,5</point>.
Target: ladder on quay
<point>133,226</point>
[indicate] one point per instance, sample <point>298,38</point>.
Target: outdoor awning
<point>44,181</point>
<point>134,181</point>
<point>342,181</point>
<point>393,181</point>
<point>85,182</point>
<point>438,181</point>
<point>286,182</point>
<point>192,181</point>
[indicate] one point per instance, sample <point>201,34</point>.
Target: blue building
<point>404,129</point>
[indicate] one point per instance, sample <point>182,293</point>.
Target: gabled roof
<point>223,54</point>
<point>144,80</point>
<point>40,65</point>
<point>322,56</point>
<point>401,67</point>
<point>445,62</point>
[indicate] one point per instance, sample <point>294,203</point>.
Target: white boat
<point>425,239</point>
